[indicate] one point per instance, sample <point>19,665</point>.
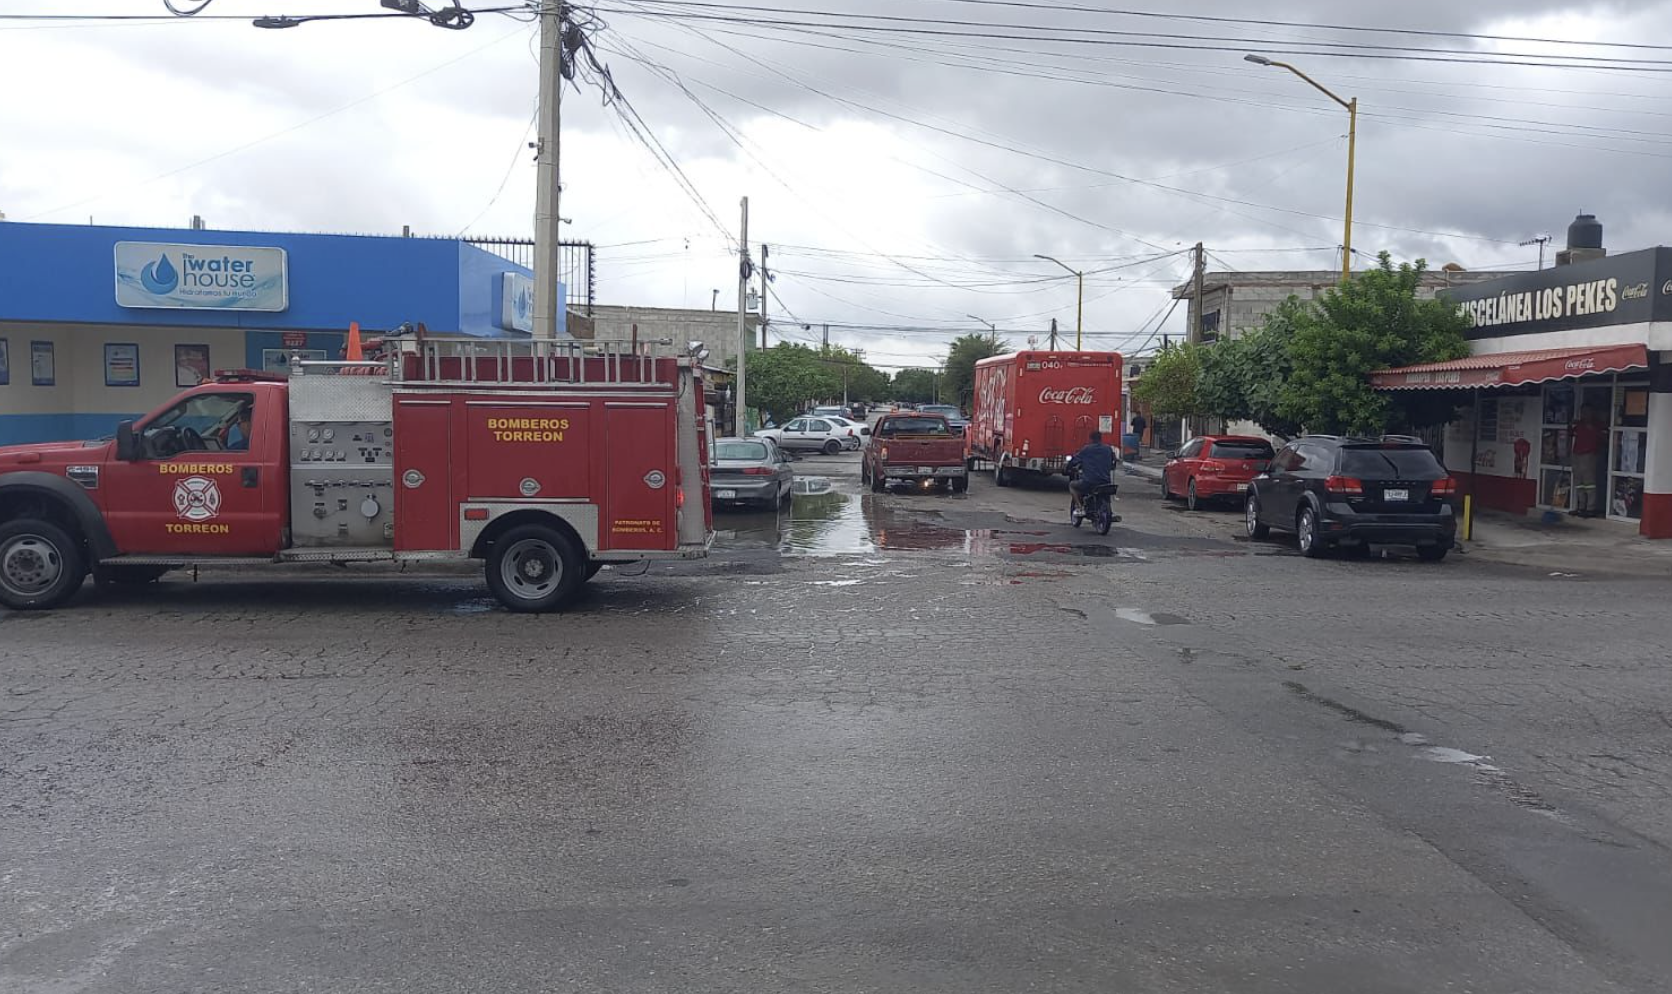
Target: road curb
<point>1138,469</point>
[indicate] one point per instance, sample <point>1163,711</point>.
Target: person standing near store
<point>1585,448</point>
<point>1139,423</point>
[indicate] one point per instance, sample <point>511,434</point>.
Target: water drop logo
<point>160,276</point>
<point>524,304</point>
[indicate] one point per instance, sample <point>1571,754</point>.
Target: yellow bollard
<point>1468,517</point>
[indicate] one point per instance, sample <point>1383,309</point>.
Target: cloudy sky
<point>904,169</point>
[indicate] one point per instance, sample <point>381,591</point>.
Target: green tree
<point>1371,322</point>
<point>1171,382</point>
<point>958,382</point>
<point>784,378</point>
<point>864,381</point>
<point>914,386</point>
<point>1243,378</point>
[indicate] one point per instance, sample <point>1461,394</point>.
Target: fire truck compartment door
<point>640,476</point>
<point>424,515</point>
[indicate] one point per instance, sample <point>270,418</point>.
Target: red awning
<point>1512,369</point>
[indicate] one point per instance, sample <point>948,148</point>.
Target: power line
<point>1414,32</point>
<point>982,63</point>
<point>1056,160</point>
<point>1100,38</point>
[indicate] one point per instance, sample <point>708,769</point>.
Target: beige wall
<point>78,353</point>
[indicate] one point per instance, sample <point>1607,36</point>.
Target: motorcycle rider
<point>1095,466</point>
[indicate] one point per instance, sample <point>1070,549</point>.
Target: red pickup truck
<point>915,448</point>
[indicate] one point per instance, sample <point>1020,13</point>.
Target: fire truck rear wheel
<point>535,568</point>
<point>41,565</point>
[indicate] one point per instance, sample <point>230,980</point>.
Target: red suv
<point>1214,467</point>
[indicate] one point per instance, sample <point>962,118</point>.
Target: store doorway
<point>1555,466</point>
<point>1617,465</point>
<point>1628,452</point>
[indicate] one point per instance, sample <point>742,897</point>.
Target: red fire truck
<point>1035,409</point>
<point>544,459</point>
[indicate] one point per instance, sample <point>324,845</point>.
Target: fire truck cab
<point>543,459</point>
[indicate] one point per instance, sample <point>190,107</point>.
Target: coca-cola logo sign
<point>1072,395</point>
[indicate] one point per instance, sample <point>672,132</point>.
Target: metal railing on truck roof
<point>464,361</point>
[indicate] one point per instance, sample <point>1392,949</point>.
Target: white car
<point>861,427</point>
<point>825,435</point>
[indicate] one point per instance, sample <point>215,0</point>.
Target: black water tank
<point>1585,232</point>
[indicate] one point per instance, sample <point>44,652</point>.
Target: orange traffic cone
<point>354,352</point>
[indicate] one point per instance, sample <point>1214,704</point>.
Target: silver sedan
<point>750,471</point>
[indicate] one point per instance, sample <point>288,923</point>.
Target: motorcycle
<point>1097,505</point>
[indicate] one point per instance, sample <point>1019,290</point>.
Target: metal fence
<point>575,265</point>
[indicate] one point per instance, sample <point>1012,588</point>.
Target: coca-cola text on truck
<point>545,460</point>
<point>1035,409</point>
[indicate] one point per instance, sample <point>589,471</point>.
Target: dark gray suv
<point>1332,490</point>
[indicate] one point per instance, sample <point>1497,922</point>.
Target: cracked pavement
<point>901,743</point>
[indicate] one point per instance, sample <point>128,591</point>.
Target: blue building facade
<point>101,324</point>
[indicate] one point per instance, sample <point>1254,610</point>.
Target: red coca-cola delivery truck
<point>545,460</point>
<point>1035,409</point>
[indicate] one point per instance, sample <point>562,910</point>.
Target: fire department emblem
<point>197,498</point>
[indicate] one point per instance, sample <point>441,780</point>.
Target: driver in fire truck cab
<point>1091,467</point>
<point>235,435</point>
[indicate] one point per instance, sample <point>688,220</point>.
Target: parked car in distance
<point>914,448</point>
<point>860,428</point>
<point>1355,492</point>
<point>750,471</point>
<point>813,434</point>
<point>829,410</point>
<point>1214,467</point>
<point>858,411</point>
<point>951,413</point>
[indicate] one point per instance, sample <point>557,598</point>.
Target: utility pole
<point>549,187</point>
<point>1195,333</point>
<point>1053,334</point>
<point>763,295</point>
<point>743,324</point>
<point>827,338</point>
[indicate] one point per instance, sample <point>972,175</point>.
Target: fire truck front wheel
<point>41,565</point>
<point>535,568</point>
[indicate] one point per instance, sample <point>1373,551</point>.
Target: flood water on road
<point>831,522</point>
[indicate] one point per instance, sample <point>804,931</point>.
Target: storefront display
<point>1588,345</point>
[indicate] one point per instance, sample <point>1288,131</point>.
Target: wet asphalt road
<point>913,742</point>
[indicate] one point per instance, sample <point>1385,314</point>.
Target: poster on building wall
<point>121,362</point>
<point>191,365</point>
<point>41,367</point>
<point>5,364</point>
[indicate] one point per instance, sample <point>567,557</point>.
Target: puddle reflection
<point>821,520</point>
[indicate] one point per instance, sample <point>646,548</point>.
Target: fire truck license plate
<point>926,470</point>
<point>726,494</point>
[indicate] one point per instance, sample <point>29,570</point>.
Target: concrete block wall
<point>717,330</point>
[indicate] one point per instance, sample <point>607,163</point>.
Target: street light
<point>1352,140</point>
<point>990,325</point>
<point>1080,306</point>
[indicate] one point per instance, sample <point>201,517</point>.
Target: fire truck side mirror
<point>127,444</point>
